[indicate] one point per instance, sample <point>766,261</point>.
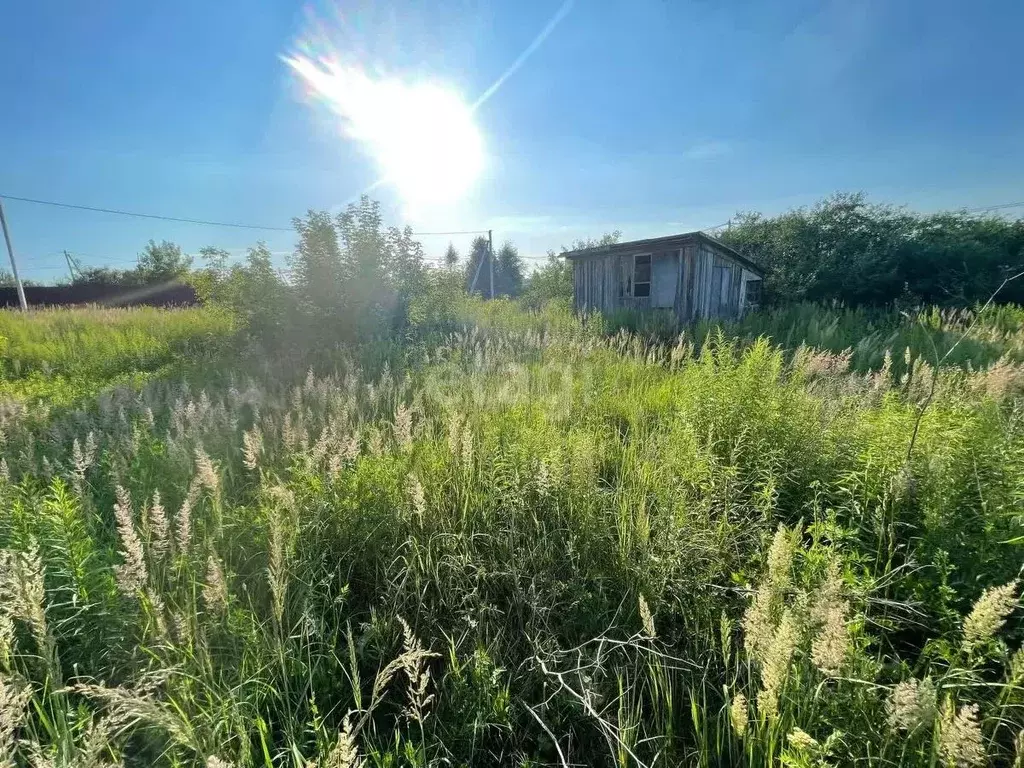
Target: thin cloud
<point>708,150</point>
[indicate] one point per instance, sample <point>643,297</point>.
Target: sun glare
<point>420,134</point>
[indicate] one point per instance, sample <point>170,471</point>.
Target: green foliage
<point>516,538</point>
<point>848,250</point>
<point>158,264</point>
<point>553,281</point>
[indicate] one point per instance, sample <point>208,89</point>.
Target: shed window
<point>752,293</point>
<point>642,275</point>
<point>635,276</point>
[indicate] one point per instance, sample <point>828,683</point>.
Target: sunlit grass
<point>524,542</point>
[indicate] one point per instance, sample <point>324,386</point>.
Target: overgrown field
<point>524,543</point>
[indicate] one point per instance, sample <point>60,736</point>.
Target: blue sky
<point>649,116</point>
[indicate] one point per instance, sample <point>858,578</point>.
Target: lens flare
<point>421,134</point>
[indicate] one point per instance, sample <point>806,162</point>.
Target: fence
<point>162,295</point>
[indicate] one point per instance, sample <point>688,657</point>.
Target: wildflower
<point>912,704</point>
<point>215,589</point>
<point>802,741</point>
<point>215,762</point>
<point>131,574</point>
<point>990,612</point>
<point>159,527</point>
<point>960,738</point>
<point>775,665</point>
<point>5,471</point>
<point>252,446</point>
<point>646,618</point>
<point>738,714</point>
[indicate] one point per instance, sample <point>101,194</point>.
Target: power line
<point>144,215</point>
<point>463,232</point>
<point>999,207</point>
<point>204,222</point>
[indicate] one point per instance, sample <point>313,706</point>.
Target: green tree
<point>846,249</point>
<point>160,263</point>
<point>508,271</point>
<point>451,257</point>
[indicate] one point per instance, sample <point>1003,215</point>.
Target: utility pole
<point>490,258</point>
<point>14,265</point>
<point>71,264</point>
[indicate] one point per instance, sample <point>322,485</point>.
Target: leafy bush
<point>845,249</point>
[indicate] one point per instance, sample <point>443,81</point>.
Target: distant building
<point>693,275</point>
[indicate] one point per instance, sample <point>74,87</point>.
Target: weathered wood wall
<point>700,292</point>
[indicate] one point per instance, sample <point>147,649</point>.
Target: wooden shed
<point>693,275</point>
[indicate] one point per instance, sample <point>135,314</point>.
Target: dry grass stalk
<point>23,591</point>
<point>215,588</point>
<point>14,699</point>
<point>183,528</point>
<point>989,613</point>
<point>775,665</point>
<point>206,472</point>
<point>738,714</point>
<point>646,618</point>
<point>131,574</point>
<point>159,527</point>
<point>912,704</point>
<point>961,744</point>
<point>344,753</point>
<point>402,428</point>
<point>252,447</point>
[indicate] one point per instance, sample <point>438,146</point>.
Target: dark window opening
<point>642,276</point>
<point>752,294</point>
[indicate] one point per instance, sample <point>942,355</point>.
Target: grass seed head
<point>131,573</point>
<point>961,744</point>
<point>912,704</point>
<point>990,612</point>
<point>738,714</point>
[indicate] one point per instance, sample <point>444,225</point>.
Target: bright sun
<point>421,135</point>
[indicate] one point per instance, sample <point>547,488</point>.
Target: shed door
<point>664,270</point>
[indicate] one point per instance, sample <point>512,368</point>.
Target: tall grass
<point>525,543</point>
<point>60,354</point>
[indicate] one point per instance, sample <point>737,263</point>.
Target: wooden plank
<point>691,269</point>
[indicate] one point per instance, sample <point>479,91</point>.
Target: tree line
<point>350,272</point>
<point>859,253</point>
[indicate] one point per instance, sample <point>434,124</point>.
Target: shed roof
<point>662,243</point>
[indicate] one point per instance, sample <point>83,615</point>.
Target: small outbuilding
<point>693,275</point>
